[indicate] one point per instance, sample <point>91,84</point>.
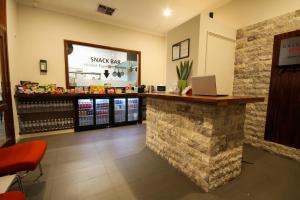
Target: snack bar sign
<point>290,51</point>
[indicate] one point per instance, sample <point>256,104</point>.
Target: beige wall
<point>189,29</point>
<point>197,29</point>
<point>41,34</point>
<point>12,28</point>
<point>35,34</point>
<point>241,13</point>
<point>207,26</point>
<point>227,19</point>
<point>213,60</point>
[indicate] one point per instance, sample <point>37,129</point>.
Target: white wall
<point>241,13</point>
<point>198,29</point>
<point>217,61</point>
<point>227,19</point>
<point>220,57</point>
<point>189,29</point>
<point>12,28</point>
<point>41,34</point>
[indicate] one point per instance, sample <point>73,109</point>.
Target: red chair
<point>12,196</point>
<point>22,157</point>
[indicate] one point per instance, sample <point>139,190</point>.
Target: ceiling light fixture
<point>35,3</point>
<point>106,10</point>
<point>167,12</point>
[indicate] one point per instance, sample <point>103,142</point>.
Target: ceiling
<point>142,15</point>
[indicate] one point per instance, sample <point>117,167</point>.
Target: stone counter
<point>204,141</point>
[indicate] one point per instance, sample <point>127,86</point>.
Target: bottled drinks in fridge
<point>133,109</point>
<point>120,110</point>
<point>85,112</point>
<point>102,111</point>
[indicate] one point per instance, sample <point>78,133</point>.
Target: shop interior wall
<point>216,52</point>
<point>197,30</point>
<point>241,13</point>
<point>41,35</point>
<point>257,22</point>
<point>187,30</point>
<point>254,53</point>
<point>36,34</point>
<point>227,19</point>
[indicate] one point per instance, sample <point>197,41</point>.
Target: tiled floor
<point>114,164</point>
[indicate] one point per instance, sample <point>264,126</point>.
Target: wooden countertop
<point>215,100</point>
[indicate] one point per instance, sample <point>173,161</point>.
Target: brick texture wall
<point>253,61</point>
<point>202,141</point>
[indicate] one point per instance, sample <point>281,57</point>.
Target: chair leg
<point>41,169</point>
<point>19,180</point>
<point>41,172</point>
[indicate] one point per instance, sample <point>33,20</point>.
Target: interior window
<point>91,65</point>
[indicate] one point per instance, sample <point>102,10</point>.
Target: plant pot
<point>181,85</point>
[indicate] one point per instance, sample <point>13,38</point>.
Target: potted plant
<point>183,73</point>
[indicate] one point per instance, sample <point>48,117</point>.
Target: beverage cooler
<point>102,111</point>
<point>85,113</point>
<point>93,113</point>
<point>119,110</point>
<point>133,109</point>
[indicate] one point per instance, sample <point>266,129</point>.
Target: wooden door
<point>7,133</point>
<point>3,13</point>
<point>283,114</point>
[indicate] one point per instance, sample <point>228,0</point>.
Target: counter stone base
<point>203,141</point>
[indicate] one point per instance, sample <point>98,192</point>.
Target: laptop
<point>206,85</point>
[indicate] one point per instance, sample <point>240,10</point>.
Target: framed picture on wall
<point>181,50</point>
<point>289,53</point>
<point>176,51</point>
<point>185,48</point>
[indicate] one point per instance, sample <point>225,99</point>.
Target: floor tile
<point>114,163</point>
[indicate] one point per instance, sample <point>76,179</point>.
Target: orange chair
<point>22,157</point>
<point>12,196</point>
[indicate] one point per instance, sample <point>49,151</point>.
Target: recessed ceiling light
<point>35,3</point>
<point>167,12</point>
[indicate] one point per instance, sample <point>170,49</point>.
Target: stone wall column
<point>202,141</point>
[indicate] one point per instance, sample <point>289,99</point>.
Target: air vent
<point>106,10</point>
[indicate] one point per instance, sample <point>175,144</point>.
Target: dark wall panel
<point>283,115</point>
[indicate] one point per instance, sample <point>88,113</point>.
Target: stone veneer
<point>202,141</point>
<point>253,61</point>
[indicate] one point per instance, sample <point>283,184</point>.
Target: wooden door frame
<point>6,88</point>
<point>3,13</point>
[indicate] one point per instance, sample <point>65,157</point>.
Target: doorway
<point>223,66</point>
<point>283,114</point>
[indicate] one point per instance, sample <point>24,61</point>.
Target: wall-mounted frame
<point>43,65</point>
<point>110,64</point>
<point>289,53</point>
<point>181,50</point>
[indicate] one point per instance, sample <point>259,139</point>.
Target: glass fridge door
<point>85,112</point>
<point>102,111</point>
<point>133,109</point>
<point>119,110</point>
